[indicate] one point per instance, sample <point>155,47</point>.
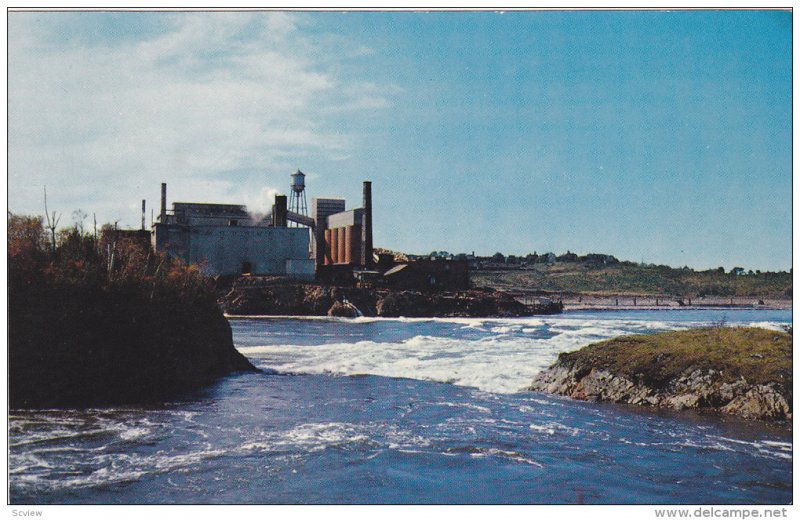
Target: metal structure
<point>297,202</point>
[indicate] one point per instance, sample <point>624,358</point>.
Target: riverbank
<point>280,297</point>
<point>89,346</point>
<point>638,302</point>
<point>745,372</point>
<point>101,320</point>
<point>605,276</point>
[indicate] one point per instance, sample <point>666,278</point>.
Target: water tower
<point>297,201</point>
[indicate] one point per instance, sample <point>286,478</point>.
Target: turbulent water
<point>404,411</point>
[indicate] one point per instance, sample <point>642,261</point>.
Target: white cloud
<point>211,105</point>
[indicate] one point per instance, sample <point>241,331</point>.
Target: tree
<point>78,217</point>
<point>27,250</point>
<point>52,222</point>
<point>25,235</point>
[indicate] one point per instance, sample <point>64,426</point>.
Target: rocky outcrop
<point>274,297</point>
<point>475,303</point>
<point>343,310</point>
<point>705,389</point>
<point>277,297</point>
<point>92,346</point>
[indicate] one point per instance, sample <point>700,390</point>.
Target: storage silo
<point>348,245</point>
<point>335,245</point>
<point>341,243</point>
<point>327,258</point>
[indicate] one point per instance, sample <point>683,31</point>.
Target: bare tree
<point>52,222</point>
<point>78,217</point>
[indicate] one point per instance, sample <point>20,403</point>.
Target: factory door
<point>247,268</point>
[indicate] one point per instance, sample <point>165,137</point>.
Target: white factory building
<point>224,239</point>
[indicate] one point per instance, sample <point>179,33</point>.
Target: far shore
<point>626,302</point>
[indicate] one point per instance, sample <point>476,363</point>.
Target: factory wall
<point>342,245</point>
<point>202,214</point>
<point>320,210</point>
<point>354,217</point>
<point>233,250</point>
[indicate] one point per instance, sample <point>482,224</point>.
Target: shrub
<point>115,259</point>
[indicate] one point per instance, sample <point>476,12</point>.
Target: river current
<point>405,411</point>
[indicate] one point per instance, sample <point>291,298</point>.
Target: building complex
<point>224,239</point>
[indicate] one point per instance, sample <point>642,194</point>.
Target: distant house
<point>599,259</point>
<point>427,275</point>
<point>568,257</point>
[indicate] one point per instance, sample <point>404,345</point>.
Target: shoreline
<point>745,372</point>
<point>610,308</point>
<point>621,308</point>
<point>651,303</point>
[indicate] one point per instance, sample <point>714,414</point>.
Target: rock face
<point>266,297</point>
<point>276,297</point>
<point>693,389</point>
<point>92,347</point>
<point>343,310</point>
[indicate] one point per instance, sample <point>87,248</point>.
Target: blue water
<point>404,411</point>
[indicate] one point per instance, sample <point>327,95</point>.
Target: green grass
<point>633,279</point>
<point>760,356</point>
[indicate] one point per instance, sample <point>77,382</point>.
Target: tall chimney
<point>366,227</point>
<point>143,213</point>
<point>279,212</point>
<point>163,218</point>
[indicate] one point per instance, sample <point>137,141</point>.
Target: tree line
<point>40,255</point>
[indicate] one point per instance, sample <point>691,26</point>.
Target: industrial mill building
<point>226,240</point>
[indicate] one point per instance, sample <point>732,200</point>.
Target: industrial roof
<point>395,269</point>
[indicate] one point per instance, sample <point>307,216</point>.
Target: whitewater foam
<point>505,359</point>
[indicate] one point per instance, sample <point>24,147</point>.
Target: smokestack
<point>279,212</point>
<point>163,217</point>
<point>366,227</point>
<point>143,213</point>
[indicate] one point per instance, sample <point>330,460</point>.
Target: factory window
<point>247,268</point>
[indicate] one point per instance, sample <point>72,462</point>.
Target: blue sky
<point>655,136</point>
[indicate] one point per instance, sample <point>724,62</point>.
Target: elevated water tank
<point>298,181</point>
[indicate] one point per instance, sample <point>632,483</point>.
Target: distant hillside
<point>564,277</point>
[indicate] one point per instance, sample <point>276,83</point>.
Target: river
<point>405,411</point>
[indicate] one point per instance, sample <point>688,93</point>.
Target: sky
<point>660,137</point>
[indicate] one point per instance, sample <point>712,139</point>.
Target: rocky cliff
<point>742,372</point>
<point>90,346</point>
<point>274,297</point>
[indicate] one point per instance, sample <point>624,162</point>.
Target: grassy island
<point>760,356</point>
<point>740,371</point>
